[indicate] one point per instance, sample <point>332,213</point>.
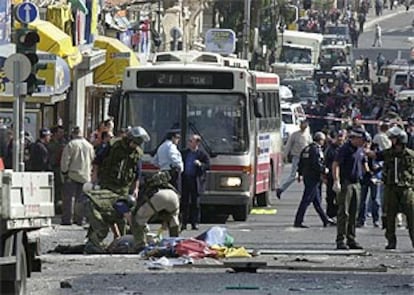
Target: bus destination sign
<point>181,79</point>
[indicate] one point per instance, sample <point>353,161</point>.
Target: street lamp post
<point>246,29</point>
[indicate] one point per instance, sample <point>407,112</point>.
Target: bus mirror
<point>114,103</point>
<point>258,107</point>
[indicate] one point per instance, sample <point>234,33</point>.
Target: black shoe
<point>355,246</point>
<point>65,223</point>
<point>341,246</point>
<point>391,245</point>
<point>359,225</point>
<point>183,227</point>
<point>194,227</point>
<point>279,193</point>
<point>300,225</point>
<point>329,222</point>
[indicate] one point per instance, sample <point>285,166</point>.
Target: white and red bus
<point>235,111</point>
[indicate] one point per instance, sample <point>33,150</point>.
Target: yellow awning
<point>118,57</point>
<point>54,40</point>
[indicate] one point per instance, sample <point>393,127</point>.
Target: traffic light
<point>26,43</point>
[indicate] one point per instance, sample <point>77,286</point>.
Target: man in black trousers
<point>196,163</point>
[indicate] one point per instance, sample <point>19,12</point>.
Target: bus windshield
<point>220,119</point>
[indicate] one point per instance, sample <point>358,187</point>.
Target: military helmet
<point>138,135</point>
<point>399,133</point>
<point>319,136</point>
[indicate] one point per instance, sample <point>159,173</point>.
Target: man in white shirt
<point>168,157</point>
<point>381,138</point>
<point>294,146</point>
<point>76,168</point>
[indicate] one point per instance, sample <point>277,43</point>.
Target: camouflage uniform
<point>117,174</point>
<point>157,199</point>
<point>398,176</point>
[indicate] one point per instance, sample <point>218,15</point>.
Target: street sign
<point>26,12</point>
<point>24,67</point>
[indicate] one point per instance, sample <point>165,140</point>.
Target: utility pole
<point>246,29</point>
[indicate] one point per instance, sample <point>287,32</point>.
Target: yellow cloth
<point>118,57</point>
<point>225,252</point>
<point>94,18</point>
<point>260,211</point>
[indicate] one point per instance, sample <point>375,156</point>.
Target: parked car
<point>292,115</point>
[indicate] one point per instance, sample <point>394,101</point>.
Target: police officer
<point>311,167</point>
<point>119,176</point>
<point>398,177</point>
<point>347,171</point>
<point>160,200</point>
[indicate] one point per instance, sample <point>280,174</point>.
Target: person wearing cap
<point>39,154</point>
<point>168,157</point>
<point>110,204</point>
<point>294,146</point>
<point>76,168</point>
<point>311,167</point>
<point>338,139</point>
<point>398,178</point>
<point>347,171</point>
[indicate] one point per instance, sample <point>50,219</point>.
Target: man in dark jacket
<point>311,167</point>
<point>196,162</point>
<point>39,154</point>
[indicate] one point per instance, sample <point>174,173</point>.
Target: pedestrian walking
<point>76,168</point>
<point>377,36</point>
<point>398,176</point>
<point>347,170</point>
<point>294,146</point>
<point>168,157</point>
<point>39,154</point>
<point>311,168</point>
<point>196,163</point>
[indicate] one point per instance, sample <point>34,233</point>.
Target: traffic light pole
<point>18,120</point>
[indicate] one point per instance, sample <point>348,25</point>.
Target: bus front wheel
<point>241,213</point>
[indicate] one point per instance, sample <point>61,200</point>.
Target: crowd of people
<point>362,174</point>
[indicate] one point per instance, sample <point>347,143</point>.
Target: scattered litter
<point>216,235</point>
<point>167,263</point>
<point>65,285</point>
<point>261,211</point>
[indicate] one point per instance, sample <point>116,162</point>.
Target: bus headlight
<point>230,181</point>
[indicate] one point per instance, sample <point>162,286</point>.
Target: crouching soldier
<point>158,200</point>
<point>105,211</point>
<point>119,176</point>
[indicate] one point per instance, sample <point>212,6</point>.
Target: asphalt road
<point>396,27</point>
<point>376,272</point>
